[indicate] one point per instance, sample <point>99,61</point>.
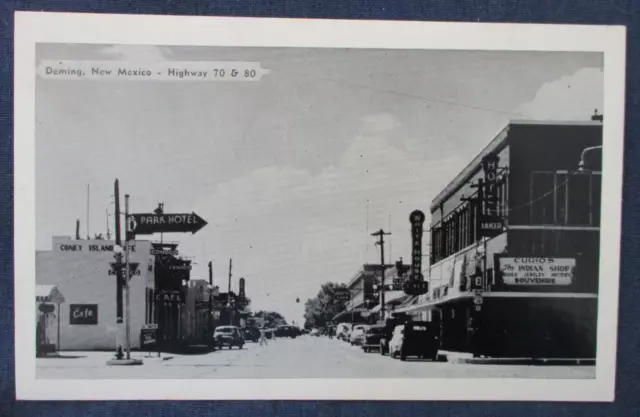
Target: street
<point>303,357</point>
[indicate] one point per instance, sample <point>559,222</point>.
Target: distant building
<point>364,291</point>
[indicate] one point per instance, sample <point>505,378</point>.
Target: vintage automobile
<point>357,334</point>
<point>229,336</point>
<point>251,333</point>
<point>287,331</point>
<point>343,331</point>
<point>415,338</point>
<point>372,337</point>
<point>389,325</point>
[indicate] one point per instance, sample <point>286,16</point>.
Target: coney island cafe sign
<point>537,271</point>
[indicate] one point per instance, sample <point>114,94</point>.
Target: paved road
<point>304,357</point>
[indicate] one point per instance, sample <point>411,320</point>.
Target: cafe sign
<point>537,271</point>
<point>83,314</point>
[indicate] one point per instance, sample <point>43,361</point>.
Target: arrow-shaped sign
<point>150,223</point>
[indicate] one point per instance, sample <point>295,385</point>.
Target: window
<point>565,198</point>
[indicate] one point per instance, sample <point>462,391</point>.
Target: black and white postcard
<point>302,209</point>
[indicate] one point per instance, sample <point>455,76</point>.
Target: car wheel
<point>403,355</point>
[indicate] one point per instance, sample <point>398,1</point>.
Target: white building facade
<point>82,270</point>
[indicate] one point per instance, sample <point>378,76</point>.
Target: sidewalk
<point>467,358</point>
<point>101,357</point>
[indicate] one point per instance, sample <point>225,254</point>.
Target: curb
<point>522,361</point>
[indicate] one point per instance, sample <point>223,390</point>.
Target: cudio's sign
<point>537,271</point>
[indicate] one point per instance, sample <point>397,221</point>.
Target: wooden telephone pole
<point>380,234</point>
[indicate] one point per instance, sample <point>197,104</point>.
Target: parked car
<point>357,334</point>
<point>389,326</point>
<point>372,337</point>
<point>228,336</point>
<point>417,338</point>
<point>343,331</point>
<point>315,332</point>
<point>251,333</point>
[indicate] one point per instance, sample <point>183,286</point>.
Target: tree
<point>320,310</point>
<point>271,318</point>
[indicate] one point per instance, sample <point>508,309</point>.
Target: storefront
<point>82,270</point>
<point>48,301</point>
<point>515,241</point>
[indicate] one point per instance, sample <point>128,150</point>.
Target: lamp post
<point>582,165</point>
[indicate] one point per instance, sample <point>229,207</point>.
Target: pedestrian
<point>263,339</point>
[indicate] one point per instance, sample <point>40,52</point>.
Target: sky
<point>295,171</point>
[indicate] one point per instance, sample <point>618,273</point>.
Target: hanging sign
<point>133,268</point>
<point>490,223</point>
<point>150,223</point>
<point>241,284</point>
<point>342,294</point>
<point>416,218</point>
<point>416,285</point>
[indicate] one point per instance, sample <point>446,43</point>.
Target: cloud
<point>136,52</point>
<point>291,230</point>
<point>573,97</point>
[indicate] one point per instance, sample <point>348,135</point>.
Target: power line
<point>407,95</point>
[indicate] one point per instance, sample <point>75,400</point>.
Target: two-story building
<point>515,245</point>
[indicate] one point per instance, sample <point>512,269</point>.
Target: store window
<point>565,198</point>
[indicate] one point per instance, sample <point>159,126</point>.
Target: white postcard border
<point>32,28</point>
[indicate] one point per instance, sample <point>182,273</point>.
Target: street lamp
<point>582,165</point>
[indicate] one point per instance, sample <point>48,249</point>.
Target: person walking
<point>263,339</point>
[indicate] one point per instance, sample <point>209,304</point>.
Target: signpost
<point>150,223</point>
<point>148,337</point>
<point>145,224</point>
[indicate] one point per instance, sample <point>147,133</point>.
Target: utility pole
<point>380,234</point>
<point>127,277</point>
<point>119,283</point>
<point>210,326</point>
<point>229,293</point>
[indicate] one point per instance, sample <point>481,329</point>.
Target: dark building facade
<point>515,251</point>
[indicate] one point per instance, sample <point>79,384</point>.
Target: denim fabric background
<point>619,12</point>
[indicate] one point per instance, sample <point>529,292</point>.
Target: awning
<point>394,296</point>
<point>344,313</point>
<point>375,309</point>
<point>48,294</point>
